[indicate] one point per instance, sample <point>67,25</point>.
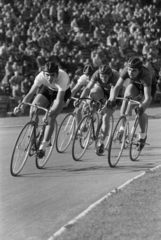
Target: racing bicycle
<point>89,131</point>
<point>28,142</point>
<point>68,126</point>
<point>128,138</point>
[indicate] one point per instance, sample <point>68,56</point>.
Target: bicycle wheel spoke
<point>81,138</point>
<point>21,149</point>
<point>65,133</point>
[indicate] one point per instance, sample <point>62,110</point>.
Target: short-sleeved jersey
<point>62,83</point>
<point>153,73</point>
<point>111,82</point>
<point>144,78</point>
<point>83,80</point>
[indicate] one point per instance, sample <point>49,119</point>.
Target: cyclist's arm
<point>87,90</point>
<point>116,89</point>
<point>21,107</point>
<point>31,93</point>
<point>147,97</point>
<point>75,89</point>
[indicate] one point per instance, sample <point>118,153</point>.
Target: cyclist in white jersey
<point>54,93</point>
<point>83,80</point>
<point>80,85</point>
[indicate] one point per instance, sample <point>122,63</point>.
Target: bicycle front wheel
<point>117,142</point>
<point>81,138</point>
<point>21,149</point>
<point>40,162</point>
<point>65,133</point>
<point>133,151</point>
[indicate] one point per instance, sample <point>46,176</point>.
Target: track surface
<point>38,203</point>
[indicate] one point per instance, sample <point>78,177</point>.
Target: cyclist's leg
<point>143,123</point>
<point>143,120</point>
<point>56,108</point>
<point>131,91</point>
<point>96,93</point>
<point>78,115</point>
<point>42,101</point>
<point>109,111</point>
<point>106,122</point>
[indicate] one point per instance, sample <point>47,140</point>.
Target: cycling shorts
<point>51,95</point>
<point>141,88</point>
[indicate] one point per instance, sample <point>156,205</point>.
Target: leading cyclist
<point>54,93</point>
<point>140,83</point>
<point>98,89</point>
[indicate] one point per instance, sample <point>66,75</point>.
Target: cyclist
<point>98,89</point>
<point>81,83</point>
<point>83,80</point>
<point>54,93</point>
<point>140,83</point>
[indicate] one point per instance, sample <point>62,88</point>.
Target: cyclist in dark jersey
<point>140,83</point>
<point>98,89</point>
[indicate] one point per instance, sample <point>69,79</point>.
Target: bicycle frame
<point>130,103</point>
<point>95,131</point>
<point>33,121</point>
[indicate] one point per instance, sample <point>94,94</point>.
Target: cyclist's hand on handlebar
<point>18,110</point>
<point>111,104</point>
<point>77,103</point>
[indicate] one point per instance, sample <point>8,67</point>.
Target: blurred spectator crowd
<point>73,33</point>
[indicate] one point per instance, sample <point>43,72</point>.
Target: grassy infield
<point>132,213</point>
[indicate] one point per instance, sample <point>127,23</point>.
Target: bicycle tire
<point>98,133</point>
<point>107,140</point>
<point>116,145</point>
<point>134,141</point>
<point>41,162</point>
<point>65,133</point>
<point>80,143</point>
<point>23,143</point>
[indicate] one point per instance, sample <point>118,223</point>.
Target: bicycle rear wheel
<point>117,142</point>
<point>40,162</point>
<point>21,149</point>
<point>81,138</point>
<point>65,133</point>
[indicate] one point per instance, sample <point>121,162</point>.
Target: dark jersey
<point>111,82</point>
<point>153,72</point>
<point>144,78</point>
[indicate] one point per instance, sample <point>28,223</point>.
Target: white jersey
<point>62,83</point>
<point>83,80</point>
